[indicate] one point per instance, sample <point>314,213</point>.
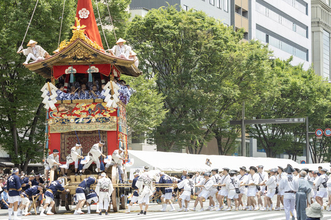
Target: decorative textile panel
<point>86,138</point>
<point>82,117</point>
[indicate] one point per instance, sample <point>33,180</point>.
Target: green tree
<point>21,112</point>
<point>203,70</point>
<point>114,17</point>
<point>298,93</point>
<point>145,110</point>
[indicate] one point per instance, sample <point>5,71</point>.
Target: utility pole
<point>307,141</point>
<point>243,132</point>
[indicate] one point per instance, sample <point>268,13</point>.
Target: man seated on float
<point>34,52</point>
<point>120,50</point>
<point>28,195</point>
<point>74,156</point>
<point>94,93</point>
<point>73,93</point>
<point>82,190</point>
<point>53,188</point>
<point>124,92</point>
<point>83,93</point>
<point>61,95</point>
<point>133,56</point>
<point>129,94</point>
<point>102,94</point>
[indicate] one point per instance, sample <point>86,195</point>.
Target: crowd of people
<point>246,189</point>
<point>88,90</point>
<point>249,189</point>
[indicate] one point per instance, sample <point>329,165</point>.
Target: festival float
<point>84,121</point>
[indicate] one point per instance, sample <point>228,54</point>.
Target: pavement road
<point>154,213</point>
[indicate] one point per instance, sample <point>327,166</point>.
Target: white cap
<point>78,145</point>
<point>162,173</point>
<point>103,174</point>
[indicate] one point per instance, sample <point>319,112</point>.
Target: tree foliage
<point>21,113</point>
<point>145,110</point>
<point>203,70</point>
<point>298,93</point>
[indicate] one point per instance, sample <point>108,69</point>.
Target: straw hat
<point>32,42</point>
<point>314,211</point>
<point>121,40</point>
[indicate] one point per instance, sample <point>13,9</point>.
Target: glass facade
<point>326,54</point>
<point>273,41</point>
<point>299,6</point>
<point>280,19</point>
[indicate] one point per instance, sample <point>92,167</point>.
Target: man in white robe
<point>34,52</point>
<point>120,50</point>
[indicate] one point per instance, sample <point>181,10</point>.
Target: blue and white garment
<point>166,179</point>
<point>85,184</point>
<point>83,94</point>
<point>134,181</point>
<point>61,95</point>
<point>92,196</point>
<point>73,96</point>
<point>97,93</point>
<point>25,181</point>
<point>54,187</point>
<point>32,191</point>
<point>102,94</point>
<point>14,185</point>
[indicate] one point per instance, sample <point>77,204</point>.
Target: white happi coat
<point>75,153</point>
<point>37,51</point>
<point>104,188</point>
<point>51,160</point>
<point>95,151</point>
<point>145,185</point>
<point>118,51</point>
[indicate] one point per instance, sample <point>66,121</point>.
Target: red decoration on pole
<point>86,15</point>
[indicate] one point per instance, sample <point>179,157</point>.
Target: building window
<point>212,2</point>
<point>265,38</point>
<point>246,35</point>
<point>302,7</point>
<point>280,19</point>
<point>238,9</point>
<point>185,7</point>
<point>326,54</point>
<point>244,13</point>
<point>219,4</point>
<point>261,36</point>
<point>225,6</point>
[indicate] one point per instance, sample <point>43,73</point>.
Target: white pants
<point>104,200</point>
<point>70,160</point>
<point>31,56</point>
<point>289,206</point>
<point>93,159</point>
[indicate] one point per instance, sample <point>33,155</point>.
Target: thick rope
<point>21,47</point>
<point>77,137</point>
<point>64,3</point>
<point>102,26</point>
<point>111,21</point>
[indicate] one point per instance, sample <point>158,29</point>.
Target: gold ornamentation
<point>80,53</point>
<point>78,33</point>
